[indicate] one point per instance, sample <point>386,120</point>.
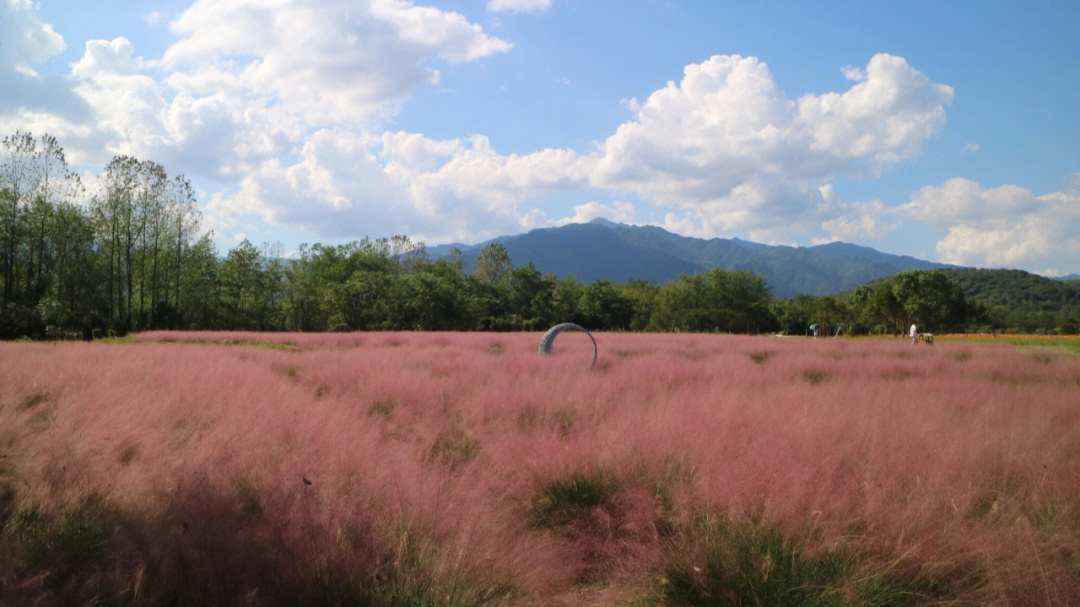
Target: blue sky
<point>948,131</point>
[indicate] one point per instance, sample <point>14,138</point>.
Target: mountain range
<point>618,252</point>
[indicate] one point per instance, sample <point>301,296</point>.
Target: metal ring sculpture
<point>549,338</point>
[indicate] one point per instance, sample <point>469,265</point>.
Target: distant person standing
<point>913,333</point>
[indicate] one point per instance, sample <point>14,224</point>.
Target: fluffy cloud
<point>472,171</point>
<point>467,190</point>
<point>1002,226</point>
<point>725,149</point>
<point>618,211</point>
<point>245,82</point>
<point>518,6</point>
<point>331,62</point>
<point>26,39</point>
<point>127,110</point>
<point>105,57</point>
<point>256,78</point>
<point>734,150</point>
<point>248,83</point>
<point>223,137</point>
<point>886,117</point>
<point>1030,239</point>
<point>126,105</point>
<point>336,189</point>
<point>963,200</point>
<point>280,103</point>
<point>346,185</point>
<point>857,221</point>
<point>28,101</point>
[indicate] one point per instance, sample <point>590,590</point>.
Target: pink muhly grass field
<point>463,469</point>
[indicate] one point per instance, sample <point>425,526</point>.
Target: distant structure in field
<point>549,338</point>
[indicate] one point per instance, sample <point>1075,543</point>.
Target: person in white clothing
<point>913,333</point>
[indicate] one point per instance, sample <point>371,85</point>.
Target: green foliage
<point>382,408</point>
<point>416,574</point>
<point>715,561</point>
<point>761,356</point>
<point>717,300</point>
<point>248,504</point>
<point>454,446</point>
<point>61,547</point>
<point>82,556</point>
<point>562,501</point>
<point>929,299</point>
<point>1015,290</point>
<point>1043,514</point>
<point>33,399</point>
<point>749,564</point>
<point>891,590</point>
<point>117,264</point>
<point>994,301</point>
<point>815,377</point>
<point>492,266</point>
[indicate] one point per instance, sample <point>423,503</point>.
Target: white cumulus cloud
<point>346,185</point>
<point>963,200</point>
<point>114,57</point>
<point>246,81</point>
<point>1003,226</point>
<point>856,221</point>
<point>127,105</point>
<point>282,103</point>
<point>476,172</point>
<point>336,189</point>
<point>29,101</point>
<point>618,211</point>
<point>25,40</point>
<point>329,62</point>
<point>728,146</point>
<point>886,117</point>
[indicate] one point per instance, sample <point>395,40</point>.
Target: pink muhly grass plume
<point>467,462</point>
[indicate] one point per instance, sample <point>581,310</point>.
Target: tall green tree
<point>37,196</point>
<point>251,283</point>
<point>492,266</point>
<point>124,213</point>
<point>19,177</point>
<point>716,300</point>
<point>529,296</point>
<point>930,299</point>
<point>181,224</point>
<point>565,300</point>
<point>198,298</point>
<point>146,223</point>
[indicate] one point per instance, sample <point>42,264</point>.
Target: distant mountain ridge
<point>618,252</point>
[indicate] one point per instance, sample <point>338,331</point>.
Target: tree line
<point>132,256</point>
<point>126,257</point>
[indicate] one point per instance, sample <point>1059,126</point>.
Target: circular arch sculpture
<point>549,338</point>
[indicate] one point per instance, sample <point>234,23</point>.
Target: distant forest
<point>135,258</point>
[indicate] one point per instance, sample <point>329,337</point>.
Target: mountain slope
<point>1016,290</point>
<point>604,250</point>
